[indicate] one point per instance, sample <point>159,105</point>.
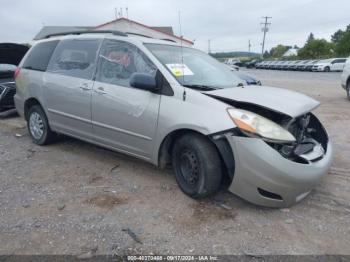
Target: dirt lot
<point>74,198</point>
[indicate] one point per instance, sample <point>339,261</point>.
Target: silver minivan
<point>174,106</point>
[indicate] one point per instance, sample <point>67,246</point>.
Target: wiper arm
<point>201,87</point>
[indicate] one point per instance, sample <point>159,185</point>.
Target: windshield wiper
<point>201,87</point>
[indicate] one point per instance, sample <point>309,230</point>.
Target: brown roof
<point>152,28</point>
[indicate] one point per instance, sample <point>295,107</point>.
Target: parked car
<point>345,78</point>
<point>248,79</point>
<point>309,66</point>
<point>259,64</point>
<point>328,65</point>
<point>301,66</point>
<point>10,56</point>
<point>293,66</point>
<point>281,65</point>
<point>168,104</point>
<point>252,63</point>
<point>233,67</point>
<point>267,64</point>
<point>284,66</point>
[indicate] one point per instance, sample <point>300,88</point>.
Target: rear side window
<point>39,56</point>
<point>75,57</point>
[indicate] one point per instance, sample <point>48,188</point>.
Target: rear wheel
<point>38,126</point>
<point>197,166</point>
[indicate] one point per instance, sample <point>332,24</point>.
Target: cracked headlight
<point>252,123</point>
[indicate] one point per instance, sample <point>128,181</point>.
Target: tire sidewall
<point>210,173</point>
<point>192,191</point>
<point>37,109</point>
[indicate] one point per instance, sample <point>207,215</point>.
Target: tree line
<point>314,48</point>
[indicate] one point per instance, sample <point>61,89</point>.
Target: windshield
<point>325,61</point>
<point>194,68</point>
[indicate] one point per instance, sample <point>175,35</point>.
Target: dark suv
<point>10,56</point>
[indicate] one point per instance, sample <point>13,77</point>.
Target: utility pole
<point>249,45</point>
<point>209,50</point>
<point>265,29</point>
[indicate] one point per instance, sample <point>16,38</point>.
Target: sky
<point>229,24</point>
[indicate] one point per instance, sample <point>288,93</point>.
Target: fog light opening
<point>270,195</point>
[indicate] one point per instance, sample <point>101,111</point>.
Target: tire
<point>348,90</point>
<point>327,69</point>
<point>197,166</point>
<point>38,126</point>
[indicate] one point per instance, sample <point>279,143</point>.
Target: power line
<point>265,29</point>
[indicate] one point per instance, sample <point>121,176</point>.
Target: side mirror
<point>144,82</point>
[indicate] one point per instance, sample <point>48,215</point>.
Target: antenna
<point>182,58</point>
<point>116,12</point>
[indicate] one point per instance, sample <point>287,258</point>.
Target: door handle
<point>85,87</point>
<point>100,90</point>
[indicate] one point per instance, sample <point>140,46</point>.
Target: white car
<point>345,78</point>
<point>328,65</point>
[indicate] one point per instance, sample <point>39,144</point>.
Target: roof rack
<point>131,33</point>
<point>114,32</point>
<point>170,40</point>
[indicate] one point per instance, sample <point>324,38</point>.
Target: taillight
<point>17,71</point>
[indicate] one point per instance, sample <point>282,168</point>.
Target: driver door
<point>123,117</point>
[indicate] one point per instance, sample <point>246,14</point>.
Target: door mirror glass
<point>143,81</point>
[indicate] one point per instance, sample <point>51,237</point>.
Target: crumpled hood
<point>277,99</point>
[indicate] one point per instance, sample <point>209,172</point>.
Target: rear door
<point>124,117</point>
<point>68,86</point>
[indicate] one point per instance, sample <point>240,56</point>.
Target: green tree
<point>310,37</point>
<point>316,48</point>
<point>278,51</point>
<point>341,40</point>
<point>337,35</point>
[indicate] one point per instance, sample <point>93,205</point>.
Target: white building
<point>291,52</point>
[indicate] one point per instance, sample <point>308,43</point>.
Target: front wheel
<point>197,166</point>
<point>38,126</point>
<point>327,69</point>
<point>348,90</point>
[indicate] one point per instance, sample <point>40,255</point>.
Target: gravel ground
<point>75,198</point>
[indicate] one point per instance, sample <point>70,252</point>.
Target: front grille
<point>6,97</point>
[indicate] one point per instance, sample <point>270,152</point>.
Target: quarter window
<point>76,58</point>
<point>118,60</point>
<point>39,56</point>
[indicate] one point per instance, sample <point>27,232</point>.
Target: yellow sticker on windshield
<point>179,70</point>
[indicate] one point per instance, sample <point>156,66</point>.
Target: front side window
<point>75,57</point>
<point>194,68</point>
<point>118,60</point>
<point>39,56</point>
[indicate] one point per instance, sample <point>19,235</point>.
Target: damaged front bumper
<point>264,177</point>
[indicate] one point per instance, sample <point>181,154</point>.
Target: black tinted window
<point>39,56</point>
<point>76,57</point>
<point>119,60</point>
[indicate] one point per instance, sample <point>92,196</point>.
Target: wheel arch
<point>28,104</point>
<point>222,146</point>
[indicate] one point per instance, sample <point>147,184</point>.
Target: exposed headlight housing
<point>255,124</point>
